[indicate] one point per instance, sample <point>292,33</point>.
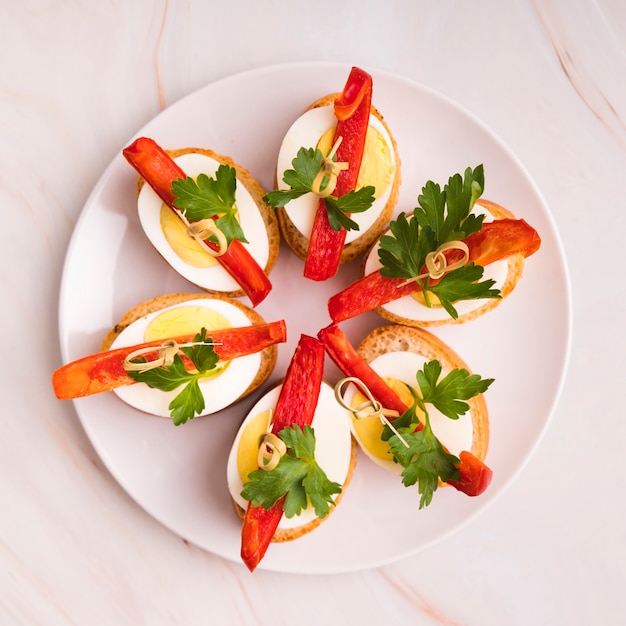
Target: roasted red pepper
<point>105,370</point>
<point>495,241</point>
<point>295,405</point>
<point>159,170</point>
<point>352,110</point>
<point>347,359</point>
<point>475,476</point>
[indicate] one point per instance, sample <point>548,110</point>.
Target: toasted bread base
<point>514,273</point>
<point>268,355</point>
<point>256,191</point>
<point>283,535</point>
<point>299,243</point>
<point>398,338</point>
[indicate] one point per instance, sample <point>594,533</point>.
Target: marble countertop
<point>78,79</point>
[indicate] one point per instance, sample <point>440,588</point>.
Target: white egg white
<point>408,307</point>
<point>455,435</point>
<point>306,132</point>
<point>332,449</point>
<point>214,278</point>
<point>218,393</point>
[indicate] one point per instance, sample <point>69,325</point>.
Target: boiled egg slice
<point>315,129</point>
<point>412,307</point>
<point>333,447</point>
<point>225,385</point>
<point>167,232</point>
<point>399,369</point>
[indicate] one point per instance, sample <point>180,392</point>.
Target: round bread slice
<point>295,531</point>
<point>394,338</point>
<point>299,243</point>
<point>514,267</point>
<point>268,355</point>
<point>270,221</point>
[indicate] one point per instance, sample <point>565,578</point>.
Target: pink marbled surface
<point>78,78</point>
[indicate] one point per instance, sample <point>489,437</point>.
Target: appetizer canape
<point>454,258</point>
<point>205,215</point>
<point>292,457</point>
<point>337,178</point>
<point>417,409</point>
<point>178,356</point>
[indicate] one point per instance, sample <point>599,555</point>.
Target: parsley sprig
<point>425,460</point>
<point>297,476</point>
<point>306,167</point>
<point>442,215</point>
<point>205,197</point>
<point>190,401</point>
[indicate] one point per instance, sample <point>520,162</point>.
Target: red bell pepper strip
<point>495,241</point>
<point>295,405</point>
<point>352,110</point>
<point>160,171</point>
<point>105,370</point>
<point>347,359</point>
<point>475,476</point>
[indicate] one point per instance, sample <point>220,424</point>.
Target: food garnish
<point>412,441</point>
<point>352,110</point>
<point>206,198</point>
<point>466,473</point>
<point>105,371</point>
<point>169,376</point>
<point>313,173</point>
<point>440,250</point>
<point>296,405</point>
<point>160,171</point>
<point>297,477</point>
<point>332,177</point>
<point>415,249</point>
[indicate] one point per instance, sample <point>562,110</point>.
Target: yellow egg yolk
<point>247,452</point>
<point>184,320</point>
<point>376,166</point>
<point>187,320</point>
<point>370,429</point>
<point>433,300</point>
<point>186,247</point>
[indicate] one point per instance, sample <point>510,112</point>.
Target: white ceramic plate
<point>178,475</point>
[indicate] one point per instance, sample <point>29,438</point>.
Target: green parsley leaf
<point>447,213</point>
<point>280,197</point>
<point>190,401</point>
<point>203,359</point>
<point>355,201</point>
<point>442,215</point>
<point>297,477</point>
<point>205,197</point>
<point>462,284</point>
<point>306,166</point>
<point>447,394</point>
<point>403,252</point>
<point>425,460</point>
